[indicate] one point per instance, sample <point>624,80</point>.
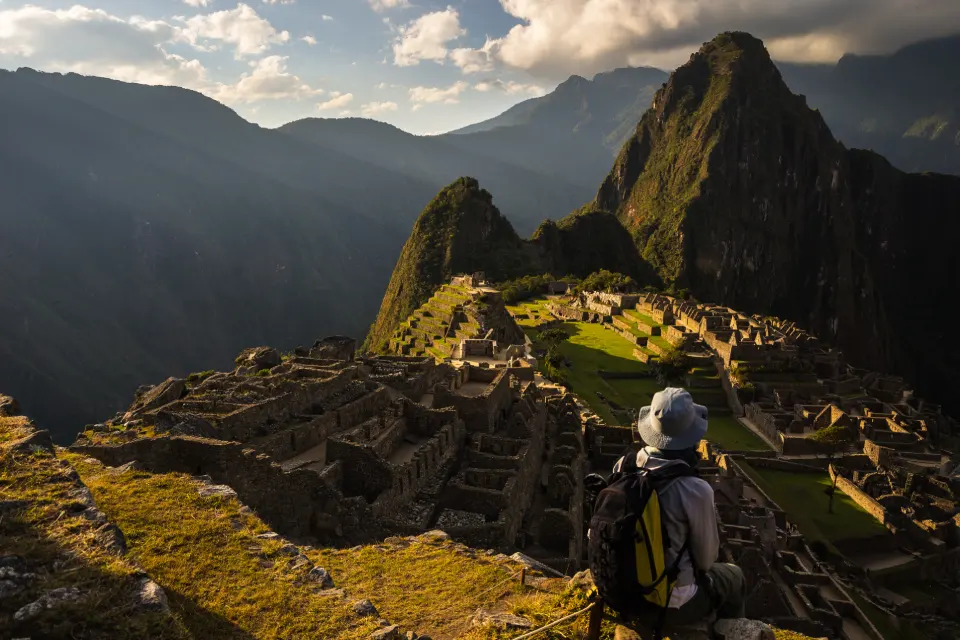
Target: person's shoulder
<point>697,485</point>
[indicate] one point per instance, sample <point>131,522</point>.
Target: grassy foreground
<point>224,582</point>
<point>802,496</point>
<point>58,540</point>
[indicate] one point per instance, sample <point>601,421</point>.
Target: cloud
<point>93,42</point>
<point>310,40</point>
<point>420,96</point>
<point>269,80</point>
<point>241,27</point>
<point>383,5</point>
<point>510,87</point>
<point>279,1</point>
<point>475,60</point>
<point>326,18</point>
<point>376,108</point>
<point>557,38</point>
<point>198,3</point>
<point>337,101</point>
<point>426,38</point>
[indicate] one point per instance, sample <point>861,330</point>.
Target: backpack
<point>628,540</point>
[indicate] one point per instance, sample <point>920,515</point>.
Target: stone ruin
<point>339,449</point>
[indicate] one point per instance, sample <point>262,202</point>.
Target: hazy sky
<point>424,65</point>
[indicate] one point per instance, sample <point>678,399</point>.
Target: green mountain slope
<point>734,188</point>
<point>461,231</point>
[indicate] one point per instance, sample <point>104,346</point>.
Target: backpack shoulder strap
<point>629,464</point>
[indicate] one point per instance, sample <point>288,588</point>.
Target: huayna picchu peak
<point>734,189</point>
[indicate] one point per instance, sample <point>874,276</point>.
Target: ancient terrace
<point>329,446</point>
<point>465,319</point>
<point>895,531</point>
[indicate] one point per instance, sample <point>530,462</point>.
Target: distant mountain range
<point>149,230</point>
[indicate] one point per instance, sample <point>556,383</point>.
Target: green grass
<point>802,496</point>
<point>46,534</point>
<point>591,348</point>
<point>727,432</point>
<point>222,581</point>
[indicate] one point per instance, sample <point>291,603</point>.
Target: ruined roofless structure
<point>325,445</point>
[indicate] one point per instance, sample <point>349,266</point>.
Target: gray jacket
<point>687,506</point>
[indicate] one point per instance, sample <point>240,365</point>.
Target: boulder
<point>9,406</point>
<point>152,596</point>
<point>49,600</point>
<point>219,490</point>
<point>506,620</point>
<point>258,358</point>
<point>321,576</point>
<point>743,629</point>
<point>387,633</point>
<point>164,393</point>
<point>364,608</point>
<point>37,441</point>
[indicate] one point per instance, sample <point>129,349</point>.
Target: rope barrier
<point>530,634</point>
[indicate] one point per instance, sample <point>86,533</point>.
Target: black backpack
<point>628,541</point>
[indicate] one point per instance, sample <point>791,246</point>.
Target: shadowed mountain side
<point>461,231</point>
<point>128,255</point>
<point>526,192</point>
<point>732,187</point>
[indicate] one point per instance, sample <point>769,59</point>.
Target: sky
<point>426,66</point>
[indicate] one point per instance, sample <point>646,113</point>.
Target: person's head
<point>672,422</point>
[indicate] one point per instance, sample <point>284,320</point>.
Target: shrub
<point>672,364</point>
<point>607,281</point>
<point>200,376</point>
<point>524,288</point>
<point>263,373</point>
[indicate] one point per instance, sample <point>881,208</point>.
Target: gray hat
<point>672,421</point>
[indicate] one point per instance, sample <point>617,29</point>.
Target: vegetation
<point>45,533</point>
<point>672,364</point>
<point>222,581</point>
<point>197,378</point>
<point>607,281</point>
<point>802,496</point>
<point>460,231</point>
<point>524,288</point>
<point>726,431</point>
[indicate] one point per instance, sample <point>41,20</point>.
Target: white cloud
<point>337,101</point>
<point>560,37</point>
<point>383,5</point>
<point>475,60</point>
<point>376,108</point>
<point>510,87</point>
<point>241,27</point>
<point>345,113</point>
<point>269,80</point>
<point>198,3</point>
<point>420,96</point>
<point>279,1</point>
<point>426,38</point>
<point>93,42</point>
<point>326,18</point>
<point>310,40</point>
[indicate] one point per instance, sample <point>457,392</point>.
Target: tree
<point>834,440</point>
<point>672,364</point>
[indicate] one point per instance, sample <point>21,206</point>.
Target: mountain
<point>905,106</point>
<point>526,193</point>
<point>461,231</point>
<point>734,188</point>
<point>149,230</point>
<point>574,131</point>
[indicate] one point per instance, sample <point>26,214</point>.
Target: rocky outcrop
<point>734,189</point>
<point>61,556</point>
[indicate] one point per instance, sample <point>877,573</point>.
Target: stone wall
<point>297,503</point>
<point>856,494</point>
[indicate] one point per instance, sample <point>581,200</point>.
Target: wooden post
<point>523,577</point>
<point>596,620</point>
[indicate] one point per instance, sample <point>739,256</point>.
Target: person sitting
<point>699,586</point>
